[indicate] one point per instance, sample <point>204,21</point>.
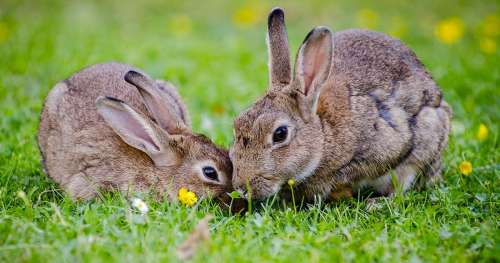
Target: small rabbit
<point>359,109</point>
<point>109,127</point>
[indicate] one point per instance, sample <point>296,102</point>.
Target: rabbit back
<point>393,109</point>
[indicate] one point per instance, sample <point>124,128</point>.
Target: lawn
<point>215,53</point>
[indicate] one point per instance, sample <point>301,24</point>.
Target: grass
<point>215,53</point>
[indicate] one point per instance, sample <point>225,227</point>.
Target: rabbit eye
<point>210,173</point>
<point>280,134</point>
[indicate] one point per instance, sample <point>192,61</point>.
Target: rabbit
<point>110,127</point>
<point>361,111</point>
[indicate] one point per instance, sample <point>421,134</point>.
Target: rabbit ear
<point>171,96</point>
<point>135,130</point>
<point>314,61</point>
<point>280,72</point>
<point>164,108</point>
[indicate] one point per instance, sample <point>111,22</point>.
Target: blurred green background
<point>215,52</point>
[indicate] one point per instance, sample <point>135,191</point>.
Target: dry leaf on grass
<point>199,235</point>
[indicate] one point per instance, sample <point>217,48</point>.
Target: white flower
<point>140,205</point>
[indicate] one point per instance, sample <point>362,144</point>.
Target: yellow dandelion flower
<point>491,26</point>
<point>465,168</point>
<point>482,132</point>
<point>246,16</point>
<point>187,197</point>
<point>367,18</point>
<point>291,182</point>
<point>449,31</point>
<point>4,32</point>
<point>181,25</point>
<point>488,45</point>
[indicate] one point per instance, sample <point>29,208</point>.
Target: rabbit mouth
<point>260,192</point>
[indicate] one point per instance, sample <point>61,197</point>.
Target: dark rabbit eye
<point>210,173</point>
<point>280,134</point>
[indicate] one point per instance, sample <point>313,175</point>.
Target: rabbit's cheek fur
<point>202,154</point>
<point>300,158</point>
<point>189,178</point>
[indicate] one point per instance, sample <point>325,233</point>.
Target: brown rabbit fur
<point>360,111</point>
<point>137,138</point>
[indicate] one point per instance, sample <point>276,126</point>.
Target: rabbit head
<point>180,157</point>
<point>280,136</point>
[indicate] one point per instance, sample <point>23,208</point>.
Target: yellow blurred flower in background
<point>181,25</point>
<point>491,26</point>
<point>247,16</point>
<point>187,197</point>
<point>449,31</point>
<point>367,18</point>
<point>4,32</point>
<point>482,132</point>
<point>489,30</point>
<point>488,45</point>
<point>465,168</point>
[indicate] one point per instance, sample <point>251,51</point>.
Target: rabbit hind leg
<point>423,165</point>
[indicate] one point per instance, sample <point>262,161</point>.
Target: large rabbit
<point>91,140</point>
<point>360,108</point>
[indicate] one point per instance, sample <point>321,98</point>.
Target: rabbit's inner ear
<point>134,129</point>
<point>280,72</point>
<point>314,61</point>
